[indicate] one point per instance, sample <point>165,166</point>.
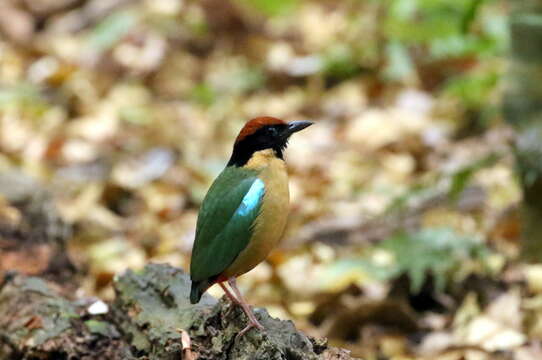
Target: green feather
<point>221,233</point>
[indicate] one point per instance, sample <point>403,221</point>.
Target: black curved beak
<point>296,126</point>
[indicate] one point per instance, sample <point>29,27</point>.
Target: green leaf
<point>400,65</point>
<point>340,62</point>
<point>445,27</point>
<point>436,251</point>
<point>272,7</point>
<point>106,34</point>
<point>470,15</point>
<point>25,96</point>
<point>461,178</point>
<point>473,89</point>
<point>203,94</point>
<point>439,252</point>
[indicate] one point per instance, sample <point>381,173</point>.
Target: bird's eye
<point>272,131</point>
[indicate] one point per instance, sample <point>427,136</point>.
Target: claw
<point>251,324</point>
<point>252,321</point>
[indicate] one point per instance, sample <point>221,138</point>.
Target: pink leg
<point>229,294</point>
<point>252,321</point>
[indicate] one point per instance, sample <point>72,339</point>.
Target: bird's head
<point>263,133</point>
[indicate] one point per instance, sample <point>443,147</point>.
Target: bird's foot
<point>252,323</point>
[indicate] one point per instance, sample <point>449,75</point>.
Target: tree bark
<point>523,110</point>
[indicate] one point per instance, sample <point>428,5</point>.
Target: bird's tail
<point>197,289</point>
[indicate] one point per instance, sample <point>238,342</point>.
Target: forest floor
<point>404,236</point>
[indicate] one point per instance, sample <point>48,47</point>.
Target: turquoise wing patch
<point>251,200</point>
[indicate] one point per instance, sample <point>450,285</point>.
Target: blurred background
<point>405,237</point>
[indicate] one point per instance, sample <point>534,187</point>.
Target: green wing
<point>225,221</point>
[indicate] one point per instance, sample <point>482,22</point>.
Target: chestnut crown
<point>263,133</point>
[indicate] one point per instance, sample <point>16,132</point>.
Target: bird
<point>244,213</point>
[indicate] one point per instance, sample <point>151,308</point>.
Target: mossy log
<point>145,321</point>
